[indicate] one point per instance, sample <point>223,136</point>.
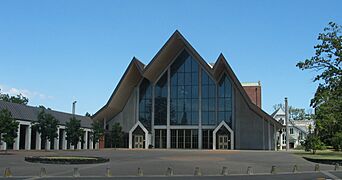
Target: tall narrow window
<point>208,99</point>
<point>160,101</point>
<point>184,90</point>
<point>145,103</point>
<point>225,100</point>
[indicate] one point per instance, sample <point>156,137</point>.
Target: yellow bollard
<point>42,172</point>
<point>76,173</point>
<point>295,169</point>
<point>108,172</point>
<point>225,171</point>
<point>317,167</point>
<point>197,171</point>
<point>140,172</point>
<point>169,172</point>
<point>8,172</point>
<point>273,170</point>
<point>249,170</point>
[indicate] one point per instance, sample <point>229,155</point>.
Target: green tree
<point>313,143</point>
<point>337,141</point>
<point>19,99</point>
<point>47,126</point>
<point>73,131</point>
<point>116,135</point>
<point>327,100</point>
<point>98,131</point>
<point>8,127</point>
<point>87,114</point>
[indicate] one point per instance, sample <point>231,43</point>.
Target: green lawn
<point>326,154</point>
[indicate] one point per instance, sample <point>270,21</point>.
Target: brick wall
<point>254,93</point>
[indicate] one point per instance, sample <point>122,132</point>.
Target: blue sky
<point>58,51</point>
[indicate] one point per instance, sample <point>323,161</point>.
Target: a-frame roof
<point>174,45</point>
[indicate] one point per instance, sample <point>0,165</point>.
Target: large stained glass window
<point>208,91</point>
<point>145,103</point>
<point>225,100</point>
<point>160,101</point>
<point>184,90</point>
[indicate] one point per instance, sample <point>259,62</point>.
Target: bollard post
<point>140,172</point>
<point>197,171</point>
<point>295,169</point>
<point>169,172</point>
<point>42,172</point>
<point>225,171</point>
<point>337,167</point>
<point>317,167</point>
<point>76,173</point>
<point>274,170</point>
<point>108,172</point>
<point>8,172</point>
<point>249,170</point>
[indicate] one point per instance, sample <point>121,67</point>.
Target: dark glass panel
<point>211,91</point>
<point>211,104</point>
<point>194,105</point>
<point>145,103</point>
<point>211,118</point>
<point>160,101</point>
<point>194,78</point>
<point>184,91</point>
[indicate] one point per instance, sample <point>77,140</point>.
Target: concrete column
<point>97,145</point>
<point>152,120</point>
<point>130,141</point>
<point>64,141</point>
<point>91,143</point>
<point>72,147</point>
<point>214,140</point>
<point>269,135</point>
<point>168,130</point>
<point>79,145</point>
<point>28,137</point>
<point>17,140</point>
<point>38,141</point>
<point>200,109</point>
<point>48,145</point>
<point>85,145</point>
<point>3,145</point>
<point>275,136</point>
<point>56,141</point>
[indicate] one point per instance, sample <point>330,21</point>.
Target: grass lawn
<point>326,154</point>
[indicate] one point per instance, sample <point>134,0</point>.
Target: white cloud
<point>27,93</point>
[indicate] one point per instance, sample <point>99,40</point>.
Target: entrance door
<point>139,141</point>
<point>223,142</point>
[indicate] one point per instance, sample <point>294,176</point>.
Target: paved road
<point>285,176</point>
<point>155,162</point>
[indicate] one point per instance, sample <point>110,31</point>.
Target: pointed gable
<point>161,61</point>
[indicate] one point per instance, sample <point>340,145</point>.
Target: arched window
<point>184,90</point>
<point>225,100</point>
<point>208,99</point>
<point>145,103</point>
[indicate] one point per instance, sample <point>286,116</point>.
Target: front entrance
<point>139,141</point>
<point>223,142</point>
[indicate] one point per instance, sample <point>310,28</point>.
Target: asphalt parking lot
<point>124,164</point>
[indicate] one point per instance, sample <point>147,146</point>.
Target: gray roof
<point>30,113</point>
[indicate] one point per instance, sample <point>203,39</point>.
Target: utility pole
<point>287,125</point>
<point>73,108</point>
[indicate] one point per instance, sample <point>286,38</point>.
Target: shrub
<point>313,143</point>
